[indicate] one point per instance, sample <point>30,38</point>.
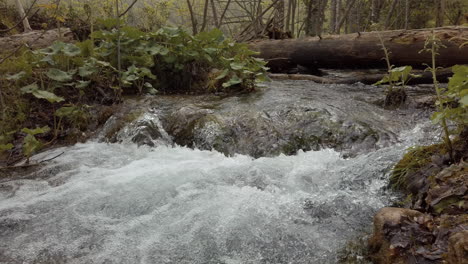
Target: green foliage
<point>414,160</point>
<point>30,143</point>
<point>41,94</point>
<point>458,85</point>
<point>454,101</point>
<point>57,82</point>
<point>399,76</point>
<point>396,78</point>
<point>181,62</point>
<point>4,147</point>
<point>433,45</point>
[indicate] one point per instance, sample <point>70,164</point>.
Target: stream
<point>205,179</point>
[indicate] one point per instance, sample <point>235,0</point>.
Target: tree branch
<point>128,9</point>
<point>22,19</point>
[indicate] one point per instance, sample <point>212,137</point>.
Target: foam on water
<point>117,203</point>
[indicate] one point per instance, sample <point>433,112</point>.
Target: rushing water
<point>120,203</point>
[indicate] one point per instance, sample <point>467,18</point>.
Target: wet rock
<point>283,118</point>
<point>383,247</point>
<point>458,248</point>
<point>146,130</point>
<point>271,121</point>
<point>438,234</point>
<point>449,190</point>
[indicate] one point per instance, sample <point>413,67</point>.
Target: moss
<point>415,159</point>
<point>305,143</point>
<point>122,122</point>
<point>354,252</point>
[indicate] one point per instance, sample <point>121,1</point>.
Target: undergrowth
<point>54,88</point>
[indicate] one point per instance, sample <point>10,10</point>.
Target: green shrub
<point>58,83</point>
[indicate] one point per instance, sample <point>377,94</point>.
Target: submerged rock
<point>283,118</point>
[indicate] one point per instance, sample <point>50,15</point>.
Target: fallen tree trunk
<point>36,39</point>
<point>370,78</point>
<point>364,50</point>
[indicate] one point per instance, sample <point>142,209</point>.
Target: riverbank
<point>431,226</point>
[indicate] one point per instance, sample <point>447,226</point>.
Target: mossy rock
<point>413,161</point>
<point>354,252</point>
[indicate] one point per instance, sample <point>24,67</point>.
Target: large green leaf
<point>464,100</point>
<point>31,145</point>
<point>237,66</point>
<point>459,81</point>
<point>54,49</point>
<point>222,74</point>
<point>71,50</point>
<point>66,111</point>
<point>82,84</point>
<point>29,88</point>
<point>401,73</point>
<point>154,50</point>
<point>35,131</point>
<point>16,77</point>
<point>4,147</point>
<point>233,81</point>
<point>41,94</point>
<point>51,97</point>
<point>59,75</point>
<point>145,72</point>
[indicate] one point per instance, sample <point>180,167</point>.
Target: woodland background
<point>248,19</point>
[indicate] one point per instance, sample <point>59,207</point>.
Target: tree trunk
<point>333,6</point>
<point>193,18</point>
<point>278,17</point>
<point>363,50</point>
<point>215,14</point>
<point>407,8</point>
<point>345,15</point>
<point>288,17</point>
<point>440,10</point>
<point>21,12</point>
<point>338,17</point>
<point>293,17</point>
<point>315,17</point>
<point>390,13</point>
<point>205,15</point>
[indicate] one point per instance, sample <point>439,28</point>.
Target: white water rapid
<point>119,203</point>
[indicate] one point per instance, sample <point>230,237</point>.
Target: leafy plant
<point>57,83</point>
<point>432,45</point>
<point>182,62</point>
<point>41,94</point>
<point>30,143</point>
<point>397,78</point>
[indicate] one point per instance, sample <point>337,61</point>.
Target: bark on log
<point>371,78</point>
<point>363,50</point>
<point>36,39</point>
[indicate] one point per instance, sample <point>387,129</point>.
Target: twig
<point>19,166</point>
<point>40,36</point>
<point>23,18</point>
<point>2,104</point>
<point>46,160</point>
<point>257,18</point>
<point>224,12</point>
<point>128,9</point>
